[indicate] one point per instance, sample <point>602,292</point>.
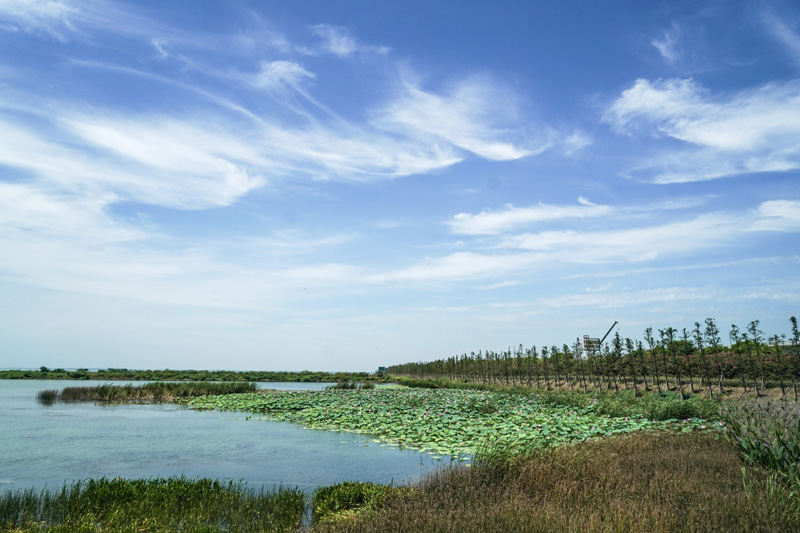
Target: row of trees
<point>686,361</point>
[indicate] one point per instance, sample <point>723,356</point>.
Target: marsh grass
<point>149,392</point>
<point>648,481</point>
<point>767,435</point>
<point>159,504</point>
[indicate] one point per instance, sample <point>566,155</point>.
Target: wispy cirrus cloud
<point>636,244</point>
<point>781,29</point>
<point>278,74</point>
<point>51,17</point>
<point>494,222</point>
<point>668,44</point>
<point>627,242</point>
<point>338,40</point>
<point>475,115</point>
<point>750,131</point>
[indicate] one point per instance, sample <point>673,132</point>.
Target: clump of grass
<point>648,481</point>
<point>159,504</point>
<point>149,392</point>
<point>347,499</point>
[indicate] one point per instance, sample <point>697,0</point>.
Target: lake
<point>50,445</point>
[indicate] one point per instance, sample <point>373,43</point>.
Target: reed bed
<point>159,504</point>
<point>149,392</point>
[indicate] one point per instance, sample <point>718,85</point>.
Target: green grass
<point>346,500</point>
<point>159,504</point>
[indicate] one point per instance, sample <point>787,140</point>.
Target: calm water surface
<point>47,446</point>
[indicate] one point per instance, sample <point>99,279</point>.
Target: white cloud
<point>336,39</point>
<point>52,17</point>
<point>459,266</point>
<point>778,215</point>
<point>527,252</point>
<point>667,45</point>
<point>499,285</point>
<point>27,210</point>
<point>637,244</point>
<point>577,140</point>
<point>164,163</point>
<point>748,132</point>
<point>475,115</point>
<point>277,74</point>
<point>494,222</point>
<point>704,232</point>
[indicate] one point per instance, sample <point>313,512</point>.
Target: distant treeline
<point>686,360</point>
<point>123,374</point>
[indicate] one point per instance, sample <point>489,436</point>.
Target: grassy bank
<point>149,392</point>
<point>161,504</point>
<point>648,481</point>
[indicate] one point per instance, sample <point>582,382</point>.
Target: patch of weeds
<point>347,499</point>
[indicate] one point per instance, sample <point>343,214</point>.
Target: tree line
<point>124,374</point>
<point>688,361</point>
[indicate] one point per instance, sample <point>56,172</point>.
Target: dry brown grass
<point>654,482</point>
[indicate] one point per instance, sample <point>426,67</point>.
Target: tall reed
<point>149,392</point>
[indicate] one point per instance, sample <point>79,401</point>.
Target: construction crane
<point>592,344</point>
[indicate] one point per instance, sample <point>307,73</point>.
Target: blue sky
<point>347,185</point>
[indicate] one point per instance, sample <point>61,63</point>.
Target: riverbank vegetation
<point>124,374</point>
<point>646,481</point>
<point>154,392</point>
<point>160,504</point>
